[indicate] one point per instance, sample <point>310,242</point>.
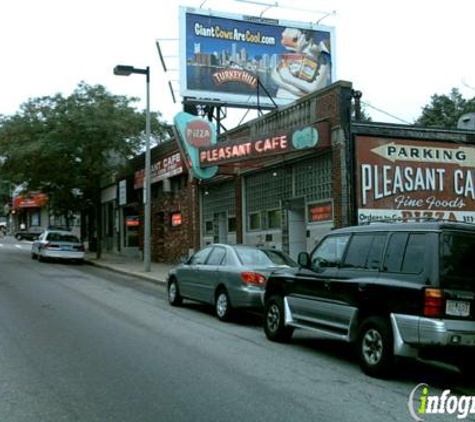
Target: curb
<point>145,277</point>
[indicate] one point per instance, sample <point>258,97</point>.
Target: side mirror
<point>184,259</point>
<point>304,259</point>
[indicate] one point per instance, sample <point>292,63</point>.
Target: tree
<point>4,196</point>
<point>444,111</point>
<point>66,146</point>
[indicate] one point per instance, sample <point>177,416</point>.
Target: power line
<point>464,83</point>
<point>386,113</point>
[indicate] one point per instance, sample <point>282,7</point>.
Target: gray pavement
<point>131,266</point>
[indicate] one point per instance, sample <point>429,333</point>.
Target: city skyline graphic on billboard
<point>227,58</point>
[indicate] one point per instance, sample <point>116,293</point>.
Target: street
<point>80,343</point>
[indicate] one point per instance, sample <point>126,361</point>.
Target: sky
<point>397,53</point>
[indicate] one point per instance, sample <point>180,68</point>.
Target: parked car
<point>58,244</point>
<point>394,290</point>
<point>228,277</point>
<point>32,233</point>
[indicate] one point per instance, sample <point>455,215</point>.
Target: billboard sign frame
<point>226,58</point>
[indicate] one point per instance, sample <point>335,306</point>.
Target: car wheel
<point>274,320</point>
<point>41,258</point>
<point>375,347</point>
<point>223,305</point>
<point>18,237</point>
<point>174,297</point>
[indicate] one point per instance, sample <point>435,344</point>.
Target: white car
<point>58,244</point>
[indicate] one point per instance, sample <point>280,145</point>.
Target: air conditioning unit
<point>466,122</point>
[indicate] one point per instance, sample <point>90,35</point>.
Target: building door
<point>297,229</point>
<point>220,227</point>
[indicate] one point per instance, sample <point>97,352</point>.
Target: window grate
<point>313,178</point>
<point>218,198</point>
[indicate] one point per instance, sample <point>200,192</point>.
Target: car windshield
<point>60,237</point>
<point>264,257</point>
<point>458,263</point>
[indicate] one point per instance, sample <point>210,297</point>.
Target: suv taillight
<point>253,278</point>
<point>434,302</point>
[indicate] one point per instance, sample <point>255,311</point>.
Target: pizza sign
<point>198,133</point>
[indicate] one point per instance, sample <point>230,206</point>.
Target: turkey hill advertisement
<point>409,180</point>
<point>234,58</point>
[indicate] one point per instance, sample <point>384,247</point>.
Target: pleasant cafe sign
<point>262,146</point>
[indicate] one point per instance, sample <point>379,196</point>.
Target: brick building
<point>274,188</point>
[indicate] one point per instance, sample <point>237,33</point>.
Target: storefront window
<point>176,183</point>
<point>208,227</point>
<point>255,221</point>
<point>35,218</point>
<point>131,232</point>
<point>273,219</point>
<point>232,224</point>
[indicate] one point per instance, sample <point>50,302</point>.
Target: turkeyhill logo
<point>235,75</point>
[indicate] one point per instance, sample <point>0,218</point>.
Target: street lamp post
<point>122,70</point>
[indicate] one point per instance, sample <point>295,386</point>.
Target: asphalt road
<point>79,343</point>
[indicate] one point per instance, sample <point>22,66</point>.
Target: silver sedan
<point>58,244</point>
<point>228,277</point>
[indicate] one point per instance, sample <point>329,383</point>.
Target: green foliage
<point>364,116</point>
<point>65,146</point>
<point>4,195</point>
<point>444,111</point>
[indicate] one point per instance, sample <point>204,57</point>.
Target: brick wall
<point>169,243</point>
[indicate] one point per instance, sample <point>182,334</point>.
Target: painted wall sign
<point>223,58</point>
<point>192,133</point>
<point>166,167</point>
<point>264,145</point>
<point>405,179</point>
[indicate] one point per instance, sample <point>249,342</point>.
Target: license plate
<point>457,308</point>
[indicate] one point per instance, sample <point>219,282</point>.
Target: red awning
<point>35,200</point>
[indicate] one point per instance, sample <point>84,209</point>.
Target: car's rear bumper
<point>416,332</point>
<point>246,297</point>
<point>62,254</point>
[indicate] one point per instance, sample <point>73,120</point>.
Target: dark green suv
<point>394,290</point>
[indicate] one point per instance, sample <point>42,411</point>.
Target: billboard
<point>410,180</point>
<point>249,61</point>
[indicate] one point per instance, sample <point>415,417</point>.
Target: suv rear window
<point>458,260</point>
<point>365,251</point>
<point>405,253</point>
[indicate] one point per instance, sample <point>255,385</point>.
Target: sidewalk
<point>130,266</point>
